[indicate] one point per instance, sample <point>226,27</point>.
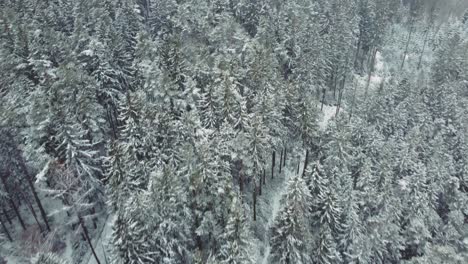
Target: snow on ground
<point>378,76</point>
<point>379,62</point>
<point>101,243</point>
<point>329,111</point>
<point>275,208</point>
<point>270,203</point>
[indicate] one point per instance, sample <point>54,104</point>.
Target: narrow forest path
<point>276,193</point>
<point>278,188</point>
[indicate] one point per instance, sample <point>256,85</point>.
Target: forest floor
<point>270,203</point>
<point>101,243</point>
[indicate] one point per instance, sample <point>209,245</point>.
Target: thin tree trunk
<point>39,204</point>
<point>12,203</point>
<point>298,166</point>
<point>335,80</point>
<point>407,45</point>
<point>5,230</point>
<point>273,164</point>
<point>353,100</point>
<point>93,212</point>
<point>85,232</point>
<point>198,240</point>
<point>264,176</point>
<point>358,48</point>
<point>15,208</point>
<point>323,99</point>
<point>284,157</point>
<point>260,186</point>
<point>104,253</point>
<point>22,164</point>
<point>371,70</point>
<point>255,204</point>
<point>111,122</point>
<point>305,162</point>
<point>241,181</point>
<point>31,208</point>
<point>340,96</point>
<point>281,161</point>
<point>6,216</point>
<point>424,48</point>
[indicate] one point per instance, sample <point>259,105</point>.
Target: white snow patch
<point>329,112</point>
<point>41,177</point>
<point>102,242</point>
<point>87,52</point>
<point>379,62</point>
<point>403,184</point>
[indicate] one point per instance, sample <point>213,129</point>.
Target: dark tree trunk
<point>5,230</point>
<point>335,81</point>
<point>12,203</point>
<point>407,44</point>
<point>198,240</point>
<point>241,181</point>
<point>284,157</point>
<point>358,48</point>
<point>264,176</point>
<point>323,99</point>
<point>281,161</point>
<point>111,123</point>
<point>423,48</point>
<point>371,70</point>
<point>15,208</point>
<point>255,203</point>
<point>22,164</point>
<point>340,96</point>
<point>305,163</point>
<point>260,187</point>
<point>38,201</point>
<point>85,232</point>
<point>6,216</point>
<point>273,164</point>
<point>353,100</point>
<point>31,208</point>
<point>93,212</point>
<point>298,166</point>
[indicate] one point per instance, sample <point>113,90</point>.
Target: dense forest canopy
<point>233,131</point>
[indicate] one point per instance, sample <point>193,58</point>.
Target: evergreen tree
<point>290,237</point>
<point>237,243</point>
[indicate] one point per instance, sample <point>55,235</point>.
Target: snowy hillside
<point>233,132</point>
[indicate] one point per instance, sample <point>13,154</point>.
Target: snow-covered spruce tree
<point>154,226</point>
<point>290,237</point>
<point>352,239</point>
<point>326,218</point>
<point>170,218</point>
<point>317,183</point>
<point>120,183</point>
<point>237,246</point>
<point>211,189</point>
<point>257,149</point>
<point>324,248</point>
<point>419,217</point>
<point>449,55</point>
<point>131,241</point>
